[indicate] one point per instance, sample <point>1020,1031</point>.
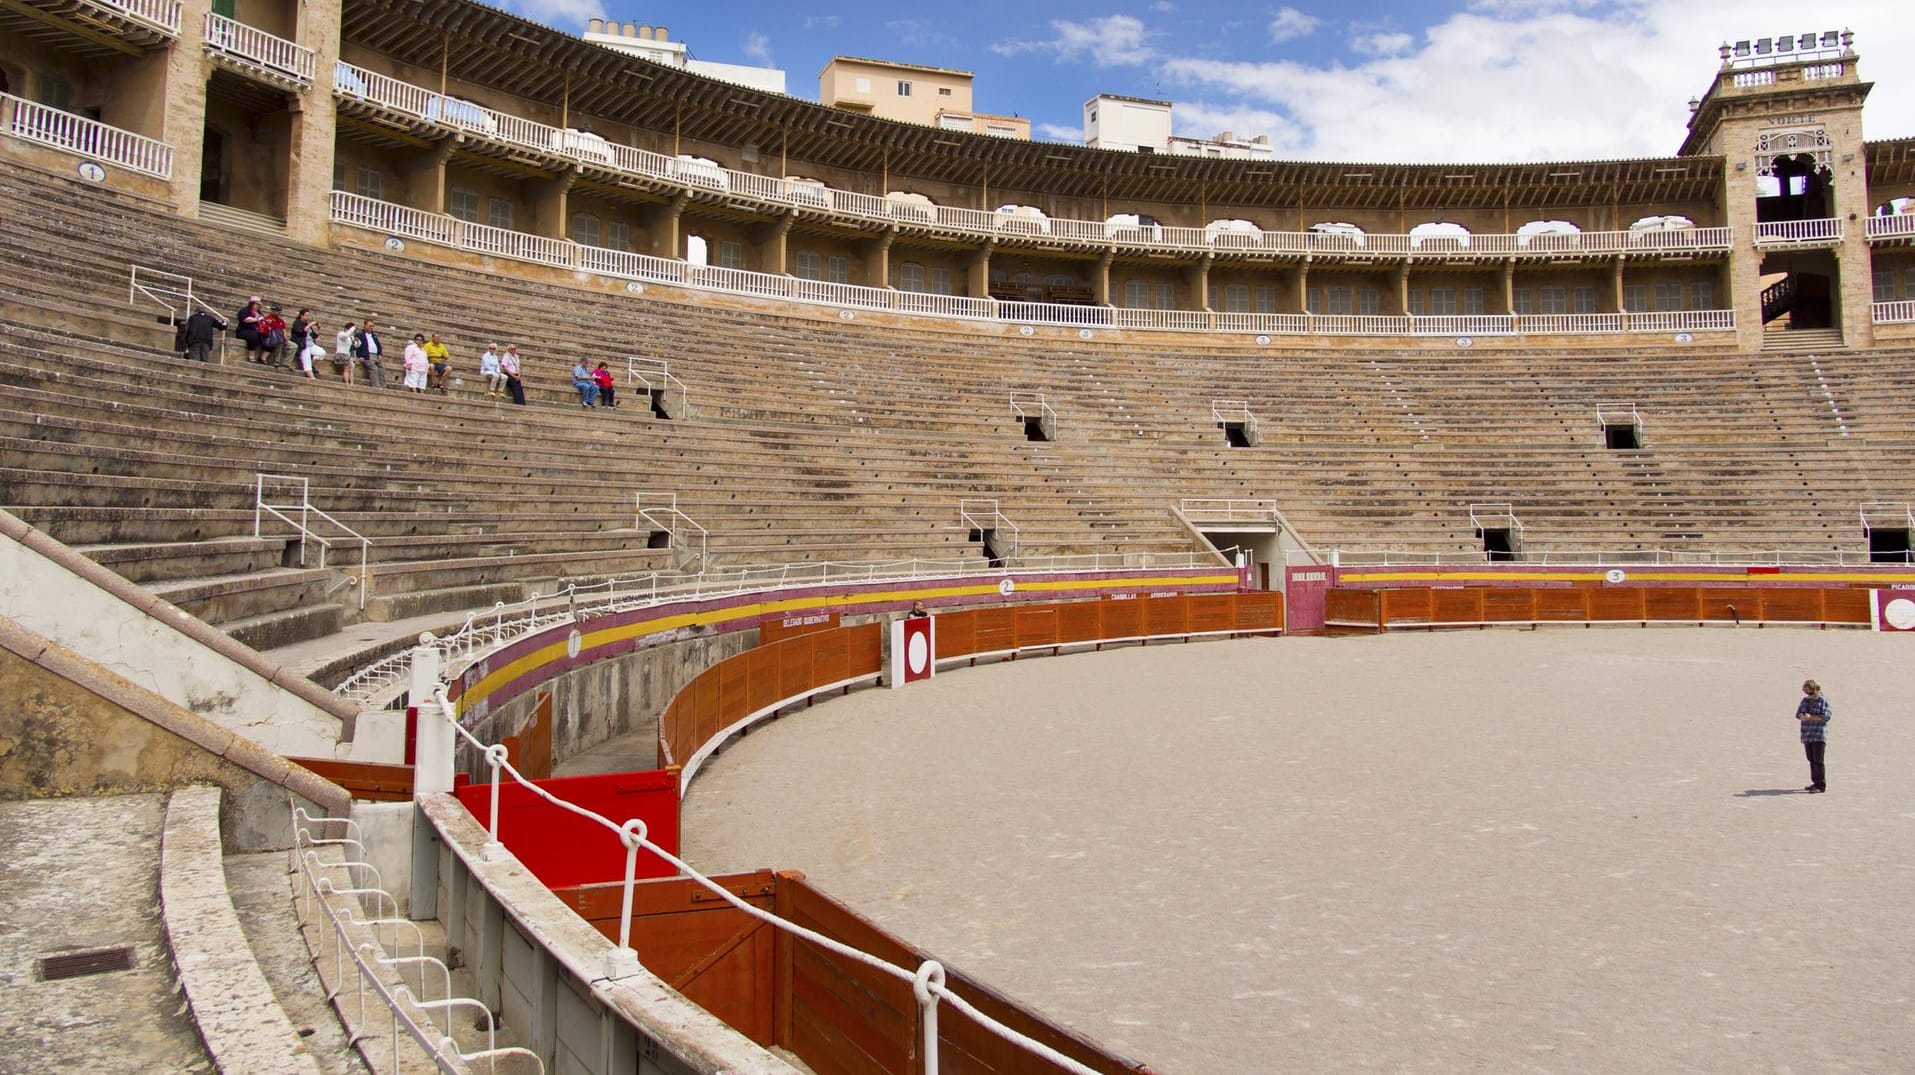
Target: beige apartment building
<point>912,93</point>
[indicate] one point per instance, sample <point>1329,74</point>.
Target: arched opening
<point>696,251</point>
<point>807,191</point>
<point>1549,235</point>
<point>1133,227</point>
<point>1794,185</point>
<point>1793,188</point>
<point>1666,222</point>
<point>1234,234</point>
<point>702,172</point>
<point>1023,220</point>
<point>908,205</point>
<point>1439,235</point>
<point>1896,207</point>
<point>212,166</point>
<point>1337,235</point>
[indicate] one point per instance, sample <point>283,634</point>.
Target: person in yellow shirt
<point>440,356</point>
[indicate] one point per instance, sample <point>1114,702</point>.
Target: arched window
<point>1439,235</point>
<point>906,205</point>
<point>1023,220</point>
<point>585,229</point>
<point>1549,235</point>
<point>696,251</point>
<point>1337,235</point>
<point>1670,222</point>
<point>1233,234</point>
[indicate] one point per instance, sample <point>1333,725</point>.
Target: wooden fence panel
<point>1260,610</point>
<point>1562,605</point>
<point>830,660</point>
<point>864,650</point>
<point>1077,621</point>
<point>369,781</point>
<point>1672,604</point>
<point>1456,606</point>
<point>1410,605</point>
<point>1165,615</point>
<point>957,634</point>
<point>1792,606</point>
<point>1508,606</point>
<point>1353,608</point>
<point>1726,604</point>
<point>1846,605</point>
<point>717,955</point>
<point>1617,604</point>
<point>1212,612</point>
<point>793,657</point>
<point>1036,626</point>
<point>1123,619</point>
<point>996,630</point>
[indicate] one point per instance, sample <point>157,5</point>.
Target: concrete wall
<point>616,697</point>
<point>53,591</point>
<point>70,727</point>
<point>552,977</point>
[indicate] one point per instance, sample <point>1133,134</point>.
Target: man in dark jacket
<point>200,330</point>
<point>366,349</point>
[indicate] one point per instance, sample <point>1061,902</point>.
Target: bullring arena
<point>1388,583</point>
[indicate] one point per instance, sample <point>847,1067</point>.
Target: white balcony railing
<point>423,105</point>
<point>1891,227</point>
<point>256,48</point>
<point>162,15</point>
<point>85,137</point>
<point>438,228</point>
<point>1894,313</point>
<point>1825,230</point>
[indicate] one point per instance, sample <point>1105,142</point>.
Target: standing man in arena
<point>1813,712</point>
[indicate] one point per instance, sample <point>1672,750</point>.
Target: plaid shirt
<point>1814,731</point>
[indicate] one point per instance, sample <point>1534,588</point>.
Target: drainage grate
<point>81,964</point>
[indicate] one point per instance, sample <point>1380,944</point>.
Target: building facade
<point>654,43</point>
<point>347,122</point>
<point>911,93</point>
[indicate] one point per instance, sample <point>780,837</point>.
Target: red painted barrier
<point>563,849</point>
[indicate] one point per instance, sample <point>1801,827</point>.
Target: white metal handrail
<point>170,291</point>
<point>1887,515</point>
<point>258,48</point>
<point>1889,227</point>
<point>927,979</point>
<point>1826,229</point>
<point>1618,414</point>
<point>87,137</point>
<point>400,220</point>
<point>982,514</point>
<point>1027,404</point>
<point>1893,313</point>
<point>336,888</point>
<point>1228,510</point>
<point>1227,411</point>
<point>663,513</point>
<point>487,630</point>
<point>654,375</point>
<point>1494,517</point>
<point>307,511</point>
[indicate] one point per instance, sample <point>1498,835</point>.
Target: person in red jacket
<point>603,378</point>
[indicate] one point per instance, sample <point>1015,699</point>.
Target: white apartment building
<point>1141,125</point>
<point>654,43</point>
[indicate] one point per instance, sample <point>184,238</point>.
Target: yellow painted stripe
<point>1597,576</point>
<point>501,675</point>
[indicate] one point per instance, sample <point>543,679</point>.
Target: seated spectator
<point>603,378</point>
<point>200,330</point>
<point>489,369</point>
<point>587,387</point>
<point>509,365</point>
<point>440,358</point>
<point>248,330</point>
<point>342,348</point>
<point>273,340</point>
<point>417,366</point>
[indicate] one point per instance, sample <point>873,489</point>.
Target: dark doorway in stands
<point>1499,544</point>
<point>1888,545</point>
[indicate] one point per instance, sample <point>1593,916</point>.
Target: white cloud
<point>1523,80</point>
<point>757,47</point>
<point>1201,119</point>
<point>1163,7</point>
<point>564,14</point>
<point>1107,41</point>
<point>1382,43</point>
<point>813,22</point>
<point>1060,132</point>
<point>1290,24</point>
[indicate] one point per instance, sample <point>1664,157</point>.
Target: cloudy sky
<point>1485,80</point>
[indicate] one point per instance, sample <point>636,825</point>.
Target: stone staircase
<point>1776,337</point>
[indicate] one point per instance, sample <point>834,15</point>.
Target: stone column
<point>661,223</point>
<point>425,175</point>
<point>1100,280</point>
<point>180,74</point>
<point>1198,277</point>
<point>1509,286</point>
<point>979,273</point>
<point>1615,290</point>
<point>774,244</point>
<point>1403,289</point>
<point>877,259</point>
<point>549,217</point>
<point>1303,287</point>
<point>314,131</point>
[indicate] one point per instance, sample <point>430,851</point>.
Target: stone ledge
<point>244,1031</point>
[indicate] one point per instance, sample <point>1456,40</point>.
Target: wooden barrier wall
<point>368,781</point>
<point>726,692</point>
<point>756,678</point>
<point>1479,606</point>
<point>838,1016</point>
<point>530,749</point>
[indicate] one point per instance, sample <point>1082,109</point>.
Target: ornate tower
<point>1785,114</point>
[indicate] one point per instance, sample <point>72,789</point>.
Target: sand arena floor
<point>1558,851</point>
